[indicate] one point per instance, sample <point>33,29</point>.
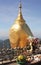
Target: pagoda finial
<point>20,6</point>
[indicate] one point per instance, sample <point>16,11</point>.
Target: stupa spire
<point>20,9</point>
<point>20,19</point>
<point>20,6</point>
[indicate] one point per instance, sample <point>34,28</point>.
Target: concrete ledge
<point>14,61</point>
<point>7,62</point>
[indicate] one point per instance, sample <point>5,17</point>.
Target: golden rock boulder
<point>19,32</point>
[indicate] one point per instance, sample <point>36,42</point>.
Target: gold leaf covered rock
<point>19,32</point>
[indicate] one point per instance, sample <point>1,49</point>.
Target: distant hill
<point>5,43</point>
<point>1,43</point>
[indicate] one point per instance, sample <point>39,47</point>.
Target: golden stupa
<point>19,32</point>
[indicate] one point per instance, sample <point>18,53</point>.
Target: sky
<point>31,11</point>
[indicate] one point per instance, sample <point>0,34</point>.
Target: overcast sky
<point>31,10</point>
